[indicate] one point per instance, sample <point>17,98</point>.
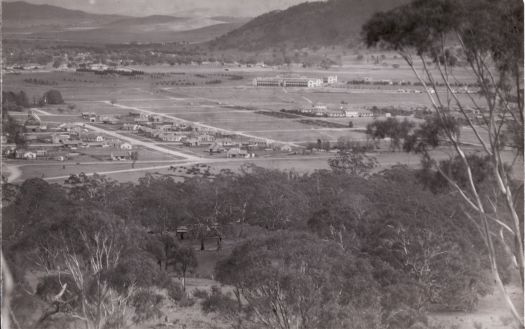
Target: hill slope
<point>306,24</point>
<point>20,11</point>
<point>22,20</point>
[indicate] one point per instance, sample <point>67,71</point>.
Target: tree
<point>52,96</point>
<point>81,258</point>
<point>490,35</point>
<point>294,280</point>
<point>13,131</point>
<point>352,159</point>
<point>185,261</point>
<point>134,157</point>
<point>392,128</point>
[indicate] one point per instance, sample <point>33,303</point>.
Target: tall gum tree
<point>439,38</point>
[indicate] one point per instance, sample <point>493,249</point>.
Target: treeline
<point>12,101</point>
<point>41,82</point>
<point>409,83</point>
<point>348,251</point>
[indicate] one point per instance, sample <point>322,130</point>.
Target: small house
<point>181,231</point>
<point>206,139</point>
<point>216,148</point>
<point>191,142</point>
<point>25,154</point>
<point>351,114</point>
<point>120,156</point>
<point>236,152</point>
<point>41,153</point>
<point>126,146</point>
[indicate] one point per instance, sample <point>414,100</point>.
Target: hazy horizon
<point>238,8</point>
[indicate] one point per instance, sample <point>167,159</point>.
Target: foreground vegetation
<point>333,249</point>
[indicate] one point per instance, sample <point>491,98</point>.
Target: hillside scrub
<point>385,233</point>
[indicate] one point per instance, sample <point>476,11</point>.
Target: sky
<point>242,8</point>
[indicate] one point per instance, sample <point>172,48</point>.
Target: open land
<point>229,107</point>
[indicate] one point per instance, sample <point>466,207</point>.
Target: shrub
<point>219,302</point>
<point>53,96</point>
<point>200,293</point>
<point>176,292</point>
<point>147,305</point>
<point>179,296</point>
<point>186,301</point>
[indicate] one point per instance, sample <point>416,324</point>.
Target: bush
<point>200,293</point>
<point>53,96</point>
<point>179,296</point>
<point>218,302</point>
<point>147,305</point>
<point>176,292</point>
<point>186,301</point>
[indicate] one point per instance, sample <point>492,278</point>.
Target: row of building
<point>325,111</point>
<point>279,81</point>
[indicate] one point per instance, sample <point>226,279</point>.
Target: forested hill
<point>307,24</point>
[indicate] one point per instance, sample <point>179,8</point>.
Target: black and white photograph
<point>262,164</point>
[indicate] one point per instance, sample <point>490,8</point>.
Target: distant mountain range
<point>19,10</point>
<point>332,22</point>
<point>306,24</point>
<point>30,21</point>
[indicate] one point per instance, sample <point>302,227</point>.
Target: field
<point>231,105</point>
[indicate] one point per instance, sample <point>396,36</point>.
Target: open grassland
<point>230,106</point>
<point>379,98</point>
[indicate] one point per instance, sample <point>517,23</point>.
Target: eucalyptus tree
<point>438,39</point>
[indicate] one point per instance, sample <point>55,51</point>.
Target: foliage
<point>391,128</point>
<point>177,293</point>
<point>383,243</point>
<point>52,96</point>
<point>352,159</point>
<point>147,305</point>
<point>286,276</point>
<point>12,101</point>
<point>13,131</point>
<point>200,293</point>
<point>489,37</point>
<point>185,261</point>
<point>219,302</point>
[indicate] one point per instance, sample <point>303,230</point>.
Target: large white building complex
<point>293,81</point>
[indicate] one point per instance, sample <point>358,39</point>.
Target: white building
<point>126,146</point>
<point>331,79</point>
<point>351,114</point>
